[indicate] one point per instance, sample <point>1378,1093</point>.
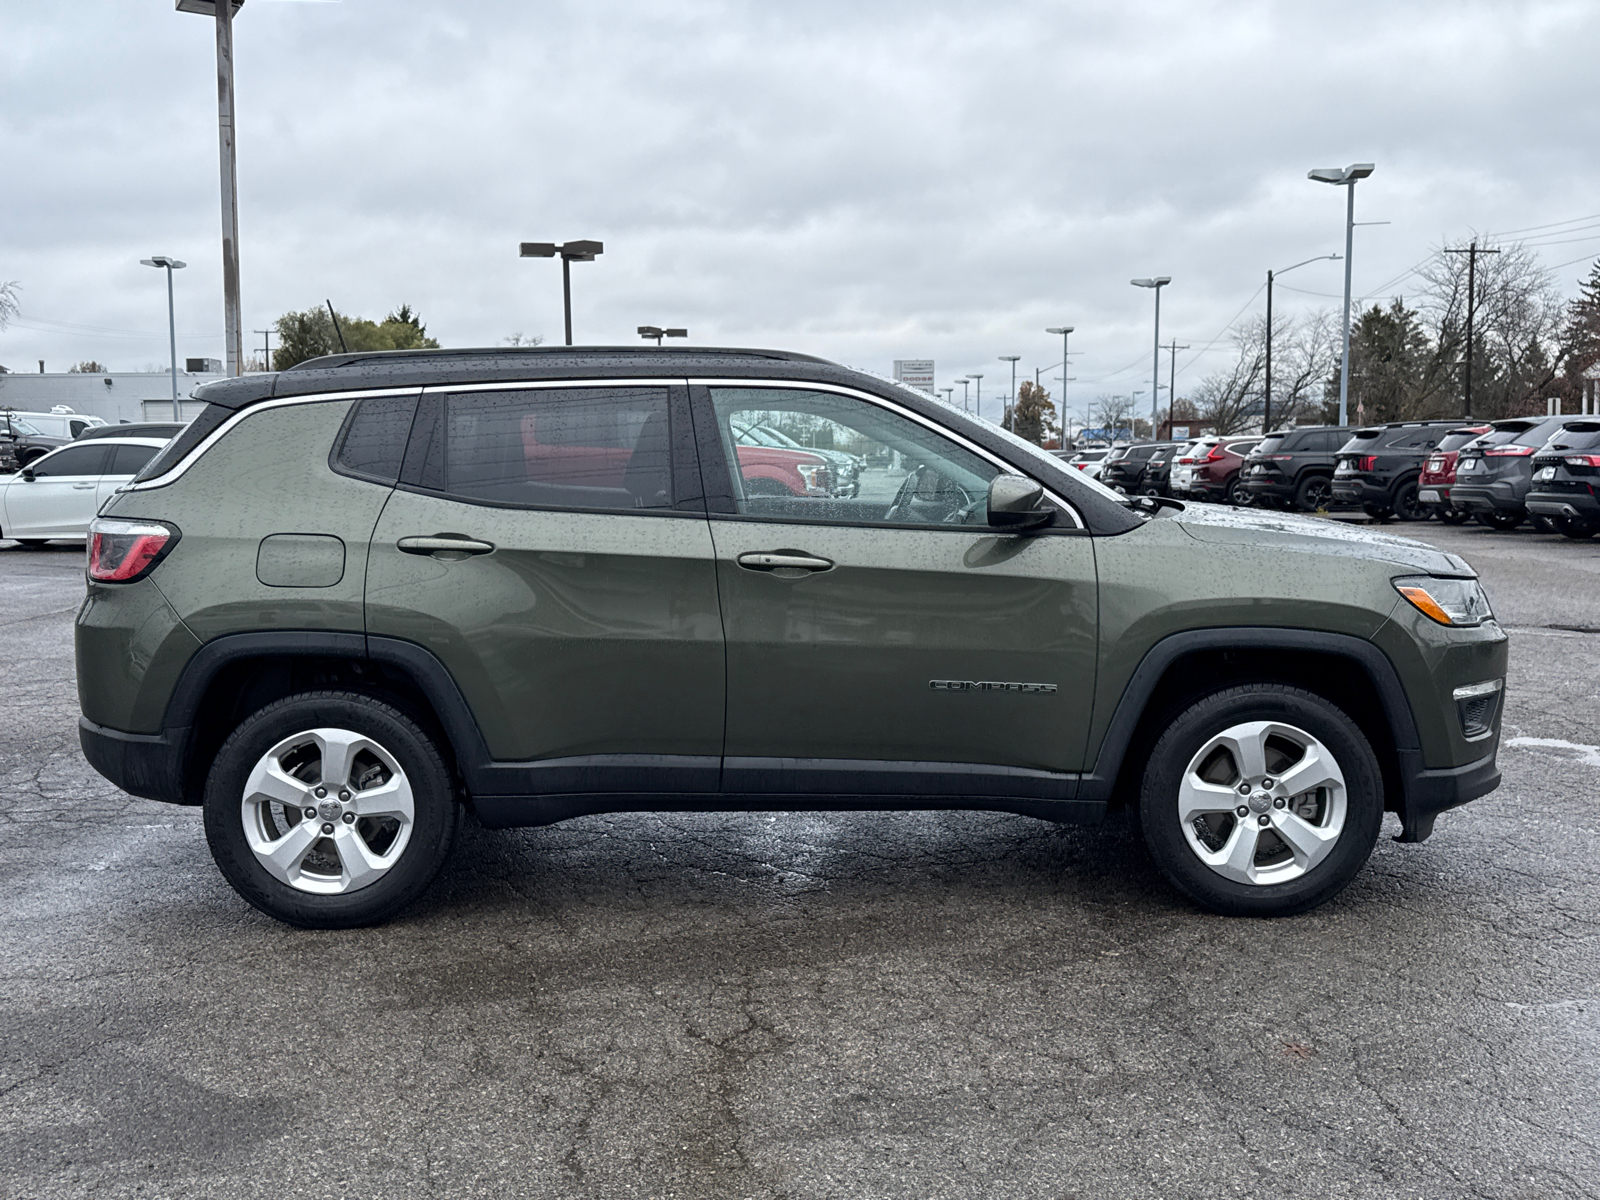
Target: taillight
<point>1217,454</point>
<point>1582,460</point>
<point>1507,451</point>
<point>1280,457</point>
<point>123,551</point>
<point>1436,463</point>
<point>1366,462</point>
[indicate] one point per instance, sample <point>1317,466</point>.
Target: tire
<point>1406,505</point>
<point>1500,522</point>
<point>32,543</point>
<point>1451,515</point>
<point>1377,512</point>
<point>1576,528</point>
<point>384,857</point>
<point>1313,492</point>
<point>1275,881</point>
<point>1238,495</point>
<point>1540,523</point>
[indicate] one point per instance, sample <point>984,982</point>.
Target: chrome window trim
<point>506,385</point>
<point>174,472</point>
<point>881,402</point>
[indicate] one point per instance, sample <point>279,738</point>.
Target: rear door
<point>548,543</point>
<point>889,641</point>
<point>61,499</point>
<point>126,462</point>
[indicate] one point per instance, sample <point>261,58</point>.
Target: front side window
<point>580,448</point>
<point>130,460</point>
<point>803,455</point>
<point>77,461</point>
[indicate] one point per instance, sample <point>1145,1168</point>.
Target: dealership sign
<point>914,372</point>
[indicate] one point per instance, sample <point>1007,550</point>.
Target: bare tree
<point>10,307</point>
<point>525,339</point>
<point>1227,399</point>
<point>1115,412</point>
<point>1305,351</point>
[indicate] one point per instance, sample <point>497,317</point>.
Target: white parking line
<point>1589,756</point>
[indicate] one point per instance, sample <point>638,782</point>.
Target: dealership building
<point>113,396</point>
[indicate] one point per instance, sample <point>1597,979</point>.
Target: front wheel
<point>1377,512</point>
<point>1451,515</point>
<point>1261,800</point>
<point>329,810</point>
<point>1238,495</point>
<point>1577,528</point>
<point>1498,520</point>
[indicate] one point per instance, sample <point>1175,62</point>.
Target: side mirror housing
<point>27,473</point>
<point>1017,503</point>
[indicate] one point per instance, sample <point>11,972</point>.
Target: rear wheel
<point>1261,800</point>
<point>1576,528</point>
<point>1377,512</point>
<point>1406,504</point>
<point>1540,523</point>
<point>1500,522</point>
<point>329,810</point>
<point>1314,492</point>
<point>1451,515</point>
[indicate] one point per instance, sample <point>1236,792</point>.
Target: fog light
<point>1476,705</point>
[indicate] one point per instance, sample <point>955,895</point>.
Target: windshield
<point>1456,439</point>
<point>1361,439</point>
<point>23,429</point>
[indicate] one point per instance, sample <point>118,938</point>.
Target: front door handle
<point>444,543</point>
<point>783,560</point>
<point>84,487</point>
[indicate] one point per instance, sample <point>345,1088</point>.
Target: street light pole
<point>1345,177</point>
<point>1159,282</point>
<point>655,331</point>
<point>1266,416</point>
<point>571,252</point>
<point>966,395</point>
<point>232,312</point>
<point>1011,404</point>
<point>171,264</point>
<point>1064,331</point>
<point>977,378</point>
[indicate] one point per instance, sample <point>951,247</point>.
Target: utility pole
<point>1172,383</point>
<point>1011,404</point>
<point>1266,416</point>
<point>1472,253</point>
<point>266,348</point>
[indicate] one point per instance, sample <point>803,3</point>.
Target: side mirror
<point>1017,503</point>
<point>27,473</point>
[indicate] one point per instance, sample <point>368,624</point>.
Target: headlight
<point>1459,602</point>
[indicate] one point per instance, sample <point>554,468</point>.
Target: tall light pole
<point>171,264</point>
<point>1159,282</point>
<point>1064,331</point>
<point>1266,416</point>
<point>653,331</point>
<point>977,378</point>
<point>1011,404</point>
<point>571,252</point>
<point>232,313</point>
<point>1345,177</point>
<point>966,394</point>
<point>948,393</point>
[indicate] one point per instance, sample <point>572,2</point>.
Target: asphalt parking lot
<point>774,1005</point>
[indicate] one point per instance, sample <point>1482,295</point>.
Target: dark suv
<point>1126,470</point>
<point>356,598</point>
<point>1378,468</point>
<point>1294,467</point>
<point>1565,475</point>
<point>1494,472</point>
<point>22,443</point>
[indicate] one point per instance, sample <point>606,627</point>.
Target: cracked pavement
<point>808,1005</point>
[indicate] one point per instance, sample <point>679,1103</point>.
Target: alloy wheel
<point>327,811</point>
<point>1262,802</point>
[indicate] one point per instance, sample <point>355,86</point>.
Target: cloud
<point>863,181</point>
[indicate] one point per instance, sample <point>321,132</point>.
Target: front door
<point>882,639</point>
<point>549,546</point>
<point>61,499</point>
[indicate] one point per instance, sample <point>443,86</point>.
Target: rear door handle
<point>781,560</point>
<point>84,487</point>
<point>444,544</point>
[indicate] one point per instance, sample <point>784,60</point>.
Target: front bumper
<point>141,764</point>
<point>1431,792</point>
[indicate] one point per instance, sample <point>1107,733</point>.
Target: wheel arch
<point>1347,671</point>
<point>237,674</point>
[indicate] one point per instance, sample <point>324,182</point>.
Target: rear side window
<point>130,460</point>
<point>372,443</point>
<point>195,432</point>
<point>578,448</point>
<point>79,460</point>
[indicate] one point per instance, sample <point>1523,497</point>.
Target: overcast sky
<point>861,180</point>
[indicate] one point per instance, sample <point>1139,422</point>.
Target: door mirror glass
<point>1017,503</point>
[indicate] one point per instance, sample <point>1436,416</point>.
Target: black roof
<point>420,368</point>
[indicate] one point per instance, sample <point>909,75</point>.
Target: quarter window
<point>374,438</point>
<point>130,460</point>
<point>578,448</point>
<point>800,455</point>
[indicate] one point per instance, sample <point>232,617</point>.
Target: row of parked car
<point>1542,470</point>
<point>56,469</point>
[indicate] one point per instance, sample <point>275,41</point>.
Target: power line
<point>1552,225</point>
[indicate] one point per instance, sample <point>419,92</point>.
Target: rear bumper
<point>1431,792</point>
<point>141,764</point>
<point>1270,485</point>
<point>1359,491</point>
<point>1490,498</point>
<point>1564,504</point>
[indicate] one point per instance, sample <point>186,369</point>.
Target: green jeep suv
<point>359,597</point>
